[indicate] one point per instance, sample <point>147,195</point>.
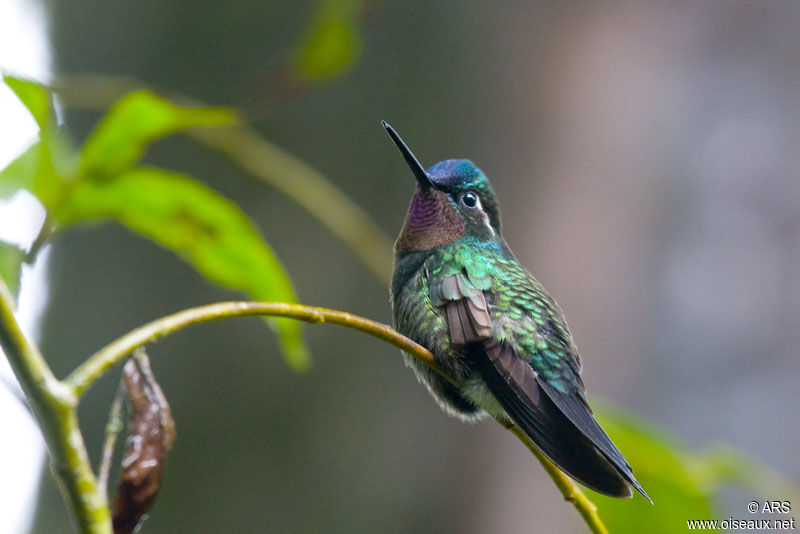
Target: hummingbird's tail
<point>581,449</point>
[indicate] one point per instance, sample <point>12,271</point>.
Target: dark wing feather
<point>516,387</point>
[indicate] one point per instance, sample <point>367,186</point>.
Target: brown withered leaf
<point>151,432</point>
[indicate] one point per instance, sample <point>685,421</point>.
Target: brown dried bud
<point>151,432</point>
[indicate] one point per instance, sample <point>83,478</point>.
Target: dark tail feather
<point>513,383</point>
<point>576,410</point>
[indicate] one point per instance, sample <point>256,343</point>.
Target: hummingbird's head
<point>454,200</point>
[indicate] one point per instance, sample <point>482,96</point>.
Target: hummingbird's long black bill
<point>422,177</point>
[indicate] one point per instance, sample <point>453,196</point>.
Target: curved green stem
<point>93,368</point>
<point>55,407</point>
<point>85,375</point>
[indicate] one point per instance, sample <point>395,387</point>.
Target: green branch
<point>55,407</point>
<point>93,368</point>
<point>571,492</point>
<point>85,375</point>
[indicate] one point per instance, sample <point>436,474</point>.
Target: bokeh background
<point>646,158</point>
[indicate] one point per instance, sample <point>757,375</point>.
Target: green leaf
<point>21,172</point>
<point>200,226</point>
<point>663,471</point>
<point>333,43</point>
<point>38,170</point>
<point>134,121</point>
<point>34,97</point>
<point>11,258</point>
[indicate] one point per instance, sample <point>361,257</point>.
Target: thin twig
<point>93,368</point>
<point>113,428</point>
<point>571,492</point>
<point>44,234</point>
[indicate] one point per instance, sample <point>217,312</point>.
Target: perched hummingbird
<point>458,290</point>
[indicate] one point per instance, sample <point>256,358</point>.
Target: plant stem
<point>571,492</point>
<point>45,233</point>
<point>87,373</point>
<point>93,368</point>
<point>54,406</point>
<point>113,428</point>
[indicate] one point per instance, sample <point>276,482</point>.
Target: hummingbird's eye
<point>469,199</point>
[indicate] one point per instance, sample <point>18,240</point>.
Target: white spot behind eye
<point>487,223</point>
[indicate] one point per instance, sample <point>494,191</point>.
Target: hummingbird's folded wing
<point>559,423</point>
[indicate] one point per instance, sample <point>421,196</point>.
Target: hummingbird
<point>458,290</point>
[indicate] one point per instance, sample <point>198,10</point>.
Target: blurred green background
<point>646,159</point>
